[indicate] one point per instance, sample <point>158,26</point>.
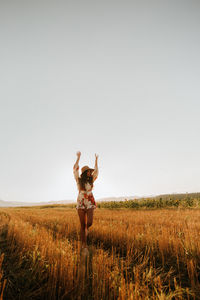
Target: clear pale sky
<point>116,78</point>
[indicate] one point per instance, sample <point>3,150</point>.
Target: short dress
<point>85,199</point>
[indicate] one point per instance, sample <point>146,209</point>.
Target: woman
<point>85,201</point>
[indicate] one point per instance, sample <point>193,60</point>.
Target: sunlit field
<point>133,254</point>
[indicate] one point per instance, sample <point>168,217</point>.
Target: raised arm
<point>76,166</point>
<point>96,170</point>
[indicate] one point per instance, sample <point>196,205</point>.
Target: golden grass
<point>2,281</point>
<point>132,254</point>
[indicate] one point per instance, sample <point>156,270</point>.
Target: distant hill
<point>10,203</point>
<point>4,203</point>
<point>118,198</point>
<point>15,203</point>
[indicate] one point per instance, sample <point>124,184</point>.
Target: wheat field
<point>133,254</point>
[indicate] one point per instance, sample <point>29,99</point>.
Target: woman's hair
<point>83,179</point>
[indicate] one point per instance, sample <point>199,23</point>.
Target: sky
<point>115,78</point>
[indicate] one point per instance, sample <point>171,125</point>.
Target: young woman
<point>85,201</point>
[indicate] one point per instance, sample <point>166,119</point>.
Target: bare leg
<point>83,232</point>
<point>90,213</point>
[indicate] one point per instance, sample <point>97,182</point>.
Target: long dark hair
<point>83,179</point>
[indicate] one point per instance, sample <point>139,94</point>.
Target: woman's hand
<point>95,173</point>
<point>78,157</point>
<point>78,154</point>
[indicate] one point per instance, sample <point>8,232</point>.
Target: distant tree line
<point>161,201</point>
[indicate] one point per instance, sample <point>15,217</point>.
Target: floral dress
<point>85,199</point>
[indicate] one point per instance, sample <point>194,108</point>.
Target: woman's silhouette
<point>85,201</point>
